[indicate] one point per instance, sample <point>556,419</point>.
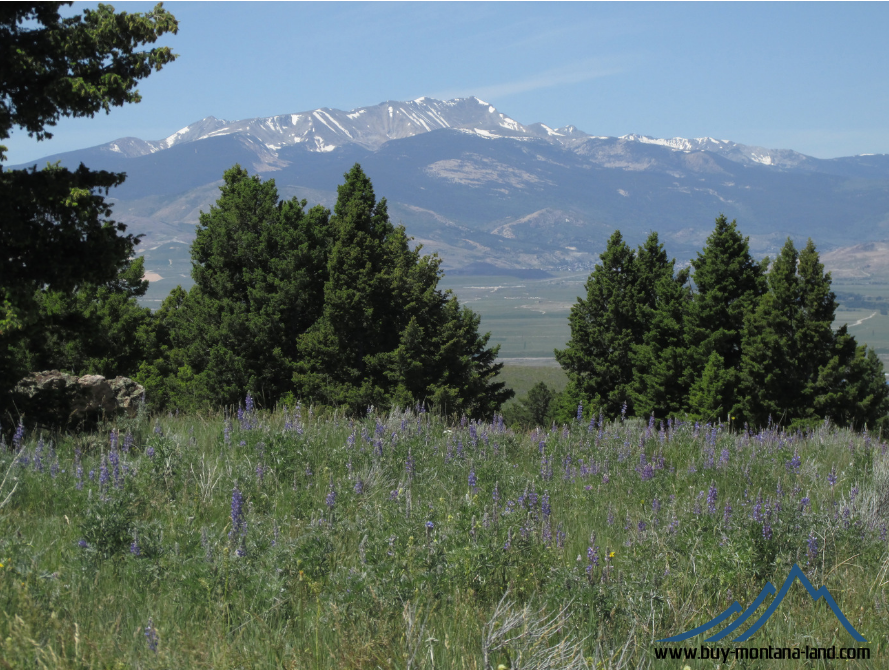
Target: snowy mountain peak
<point>324,129</point>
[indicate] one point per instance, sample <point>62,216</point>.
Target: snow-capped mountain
<point>325,129</point>
<point>474,184</point>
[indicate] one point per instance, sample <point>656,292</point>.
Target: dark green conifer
<point>729,283</point>
<point>604,329</point>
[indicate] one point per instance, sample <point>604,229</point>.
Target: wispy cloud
<point>574,73</point>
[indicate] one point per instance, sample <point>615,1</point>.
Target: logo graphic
<point>768,589</point>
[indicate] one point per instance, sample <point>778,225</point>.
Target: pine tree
<point>729,284</point>
<point>259,267</point>
<point>604,329</point>
<point>795,367</point>
<point>387,334</point>
<point>660,384</point>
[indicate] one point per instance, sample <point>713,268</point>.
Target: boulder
<point>60,400</point>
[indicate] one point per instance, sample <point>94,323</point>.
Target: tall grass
<point>282,539</point>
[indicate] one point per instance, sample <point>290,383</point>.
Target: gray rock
<point>53,398</point>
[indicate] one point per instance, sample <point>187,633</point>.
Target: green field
<point>400,541</point>
<point>528,318</point>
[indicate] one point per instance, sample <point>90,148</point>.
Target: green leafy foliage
<point>55,235</point>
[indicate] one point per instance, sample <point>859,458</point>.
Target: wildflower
<point>580,411</point>
<point>812,548</point>
<point>359,487</point>
<point>794,463</point>
<point>545,508</point>
<point>832,477</point>
<point>82,544</point>
<point>473,481</point>
<point>239,523</point>
<point>642,526</point>
<point>331,498</point>
<point>151,636</point>
<point>711,499</point>
<point>727,513</point>
<point>148,452</point>
<point>804,504</point>
<point>135,550</point>
<point>409,464</point>
<point>19,436</point>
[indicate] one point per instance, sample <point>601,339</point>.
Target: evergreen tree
<point>259,266</point>
<point>660,384</point>
<point>55,235</point>
<point>795,367</point>
<point>537,408</point>
<point>92,330</point>
<point>729,284</point>
<point>387,334</point>
<point>605,327</point>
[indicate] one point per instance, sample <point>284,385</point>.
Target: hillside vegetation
<point>400,540</point>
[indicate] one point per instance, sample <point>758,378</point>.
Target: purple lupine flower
<point>135,550</point>
<point>767,528</point>
<point>852,494</point>
<point>642,526</point>
<point>545,508</point>
<point>248,403</point>
<point>757,511</point>
<point>78,476</point>
<point>623,410</point>
<point>359,487</point>
<point>592,557</point>
<point>794,463</point>
<point>560,537</point>
<point>393,494</point>
<point>409,464</point>
<point>239,522</point>
<point>647,473</point>
<point>496,494</point>
<point>724,458</point>
<point>804,504</point>
<point>127,442</point>
<point>655,505</point>
<point>832,477</point>
<point>82,544</point>
<point>19,437</point>
<point>883,533</point>
<point>104,475</point>
<point>812,548</point>
<point>157,429</point>
<point>148,452</point>
<point>330,500</point>
<point>727,513</point>
<point>260,473</point>
<point>711,499</point>
<point>473,481</point>
<point>580,411</point>
<point>151,636</point>
<point>610,519</point>
<point>508,543</point>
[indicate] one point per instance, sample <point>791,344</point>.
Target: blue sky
<point>809,77</point>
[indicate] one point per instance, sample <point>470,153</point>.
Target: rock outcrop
<point>52,398</point>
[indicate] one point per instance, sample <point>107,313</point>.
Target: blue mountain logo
<point>768,589</point>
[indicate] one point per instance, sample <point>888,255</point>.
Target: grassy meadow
<point>283,539</point>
